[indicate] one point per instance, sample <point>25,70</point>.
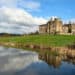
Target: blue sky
<point>24,16</point>
<point>62,8</point>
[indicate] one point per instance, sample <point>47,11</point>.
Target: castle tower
<point>54,26</point>
<point>58,25</point>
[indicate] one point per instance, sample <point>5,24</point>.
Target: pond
<point>21,62</point>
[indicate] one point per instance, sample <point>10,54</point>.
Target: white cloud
<point>27,4</point>
<point>15,20</point>
<point>8,3</point>
<point>30,5</point>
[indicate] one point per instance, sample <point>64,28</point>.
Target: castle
<point>56,26</point>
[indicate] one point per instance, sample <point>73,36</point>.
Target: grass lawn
<point>48,40</point>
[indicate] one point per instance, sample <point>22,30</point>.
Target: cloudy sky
<point>24,16</point>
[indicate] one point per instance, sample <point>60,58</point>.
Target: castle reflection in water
<point>55,60</point>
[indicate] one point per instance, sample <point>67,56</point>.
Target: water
<point>18,62</point>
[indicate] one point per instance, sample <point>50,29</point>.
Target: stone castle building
<point>56,26</point>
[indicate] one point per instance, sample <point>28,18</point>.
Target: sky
<point>24,16</point>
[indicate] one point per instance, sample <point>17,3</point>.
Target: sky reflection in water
<point>17,62</point>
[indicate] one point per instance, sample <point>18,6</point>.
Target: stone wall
<point>65,28</point>
<point>58,24</point>
<point>73,28</point>
<point>54,26</point>
<point>43,28</point>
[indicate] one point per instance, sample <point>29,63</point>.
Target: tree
<point>69,28</point>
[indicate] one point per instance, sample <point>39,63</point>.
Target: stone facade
<point>73,28</point>
<point>56,26</point>
<point>43,28</point>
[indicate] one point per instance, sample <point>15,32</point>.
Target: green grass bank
<point>47,40</point>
